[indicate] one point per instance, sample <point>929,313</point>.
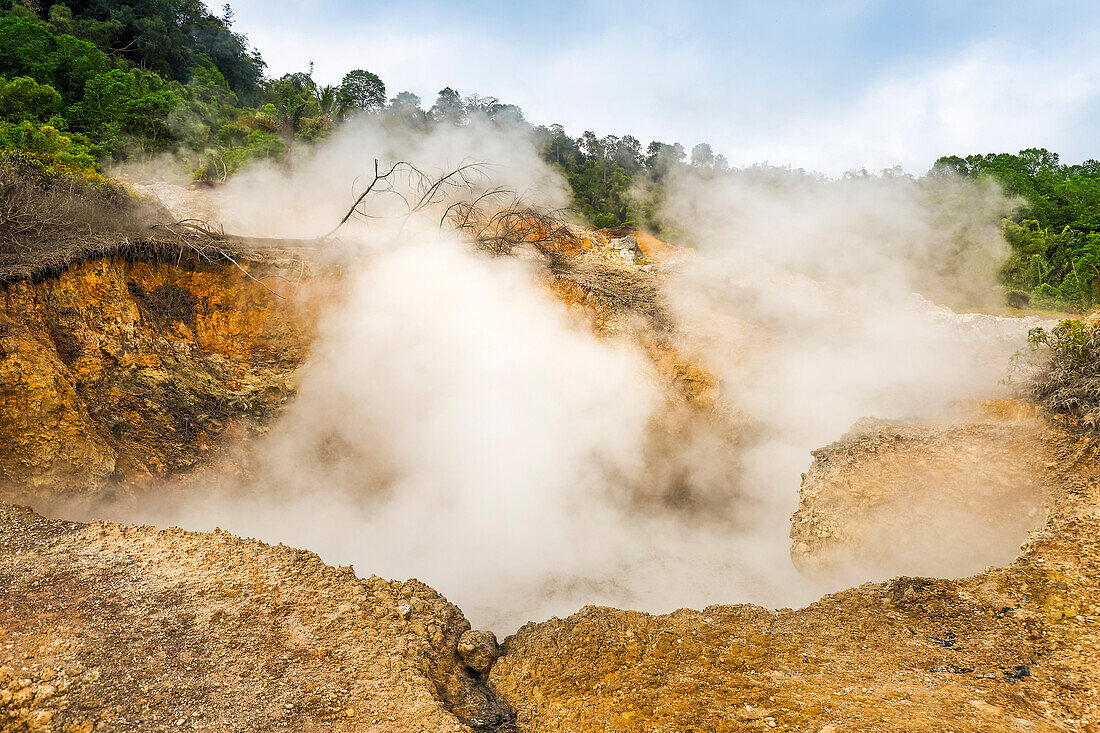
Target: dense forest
<point>1055,234</point>
<point>83,83</point>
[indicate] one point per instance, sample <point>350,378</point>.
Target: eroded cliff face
<point>119,371</point>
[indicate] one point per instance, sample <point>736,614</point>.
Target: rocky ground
<point>1015,648</point>
<point>917,499</point>
<point>106,627</point>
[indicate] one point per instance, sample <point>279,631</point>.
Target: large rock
<point>628,248</point>
<point>479,650</point>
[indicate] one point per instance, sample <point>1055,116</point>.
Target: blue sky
<point>829,86</point>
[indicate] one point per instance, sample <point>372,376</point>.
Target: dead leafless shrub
<point>497,221</point>
<point>416,188</point>
<point>48,221</point>
<point>501,228</point>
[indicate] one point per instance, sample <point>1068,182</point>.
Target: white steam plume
<point>455,425</point>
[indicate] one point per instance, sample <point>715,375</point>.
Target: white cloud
<point>775,102</point>
<point>993,98</point>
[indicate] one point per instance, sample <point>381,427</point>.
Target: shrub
<point>1068,384</point>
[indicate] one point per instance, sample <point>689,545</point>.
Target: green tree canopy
<point>362,90</point>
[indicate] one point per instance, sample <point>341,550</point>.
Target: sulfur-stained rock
<point>115,371</point>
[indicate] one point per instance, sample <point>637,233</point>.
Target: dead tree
<point>416,188</point>
<point>495,219</point>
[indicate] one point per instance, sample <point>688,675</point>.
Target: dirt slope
<point>105,627</point>
<point>886,496</point>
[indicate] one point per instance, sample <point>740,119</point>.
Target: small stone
<point>951,669</point>
<point>479,649</point>
<point>404,610</point>
<point>628,242</point>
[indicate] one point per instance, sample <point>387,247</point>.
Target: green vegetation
<point>1068,384</point>
<point>1055,234</point>
<point>83,83</point>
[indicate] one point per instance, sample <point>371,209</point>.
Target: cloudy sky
<point>830,85</point>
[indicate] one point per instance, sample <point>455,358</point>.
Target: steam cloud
<point>457,425</point>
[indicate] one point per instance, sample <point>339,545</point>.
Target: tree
<point>23,98</point>
<point>950,165</point>
<point>61,19</point>
<point>557,146</point>
<point>662,157</point>
<point>295,100</point>
<point>362,90</point>
<point>702,156</point>
<point>492,109</point>
<point>628,154</point>
<point>448,108</point>
<point>405,108</point>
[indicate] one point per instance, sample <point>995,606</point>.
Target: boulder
<point>478,649</point>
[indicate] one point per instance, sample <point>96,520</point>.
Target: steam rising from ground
<point>454,424</point>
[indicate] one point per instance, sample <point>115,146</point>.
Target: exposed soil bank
<point>942,499</point>
<point>119,371</point>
